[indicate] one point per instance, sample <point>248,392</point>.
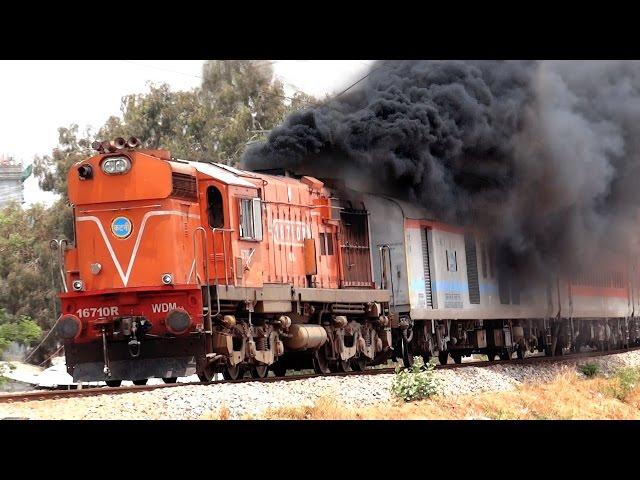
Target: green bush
<point>22,330</point>
<point>589,369</point>
<point>626,379</point>
<point>416,382</point>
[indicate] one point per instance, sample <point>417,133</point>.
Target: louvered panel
<point>356,253</point>
<point>425,266</point>
<point>472,269</point>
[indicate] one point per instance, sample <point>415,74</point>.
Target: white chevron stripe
<point>125,277</point>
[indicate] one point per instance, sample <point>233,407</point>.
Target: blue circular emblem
<point>121,227</point>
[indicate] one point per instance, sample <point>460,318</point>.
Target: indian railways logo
<point>121,227</point>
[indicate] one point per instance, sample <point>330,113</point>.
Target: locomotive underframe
<point>503,337</point>
<point>355,322</point>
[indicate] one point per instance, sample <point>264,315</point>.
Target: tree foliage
<point>28,268</point>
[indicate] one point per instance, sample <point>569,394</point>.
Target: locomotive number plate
<point>92,312</point>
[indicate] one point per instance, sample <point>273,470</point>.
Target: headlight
<point>116,165</point>
<point>78,285</point>
<point>167,279</point>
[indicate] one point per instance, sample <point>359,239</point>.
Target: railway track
<point>87,392</point>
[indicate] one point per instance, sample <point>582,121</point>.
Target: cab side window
<point>215,207</point>
<point>250,221</point>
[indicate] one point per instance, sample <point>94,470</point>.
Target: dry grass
<point>569,396</point>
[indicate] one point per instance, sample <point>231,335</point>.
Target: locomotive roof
<point>233,176</point>
<point>224,173</point>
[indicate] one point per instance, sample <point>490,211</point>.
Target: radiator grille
<point>184,186</point>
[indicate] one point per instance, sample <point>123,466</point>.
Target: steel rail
<point>87,392</point>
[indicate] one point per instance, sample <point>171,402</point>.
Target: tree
<point>28,279</point>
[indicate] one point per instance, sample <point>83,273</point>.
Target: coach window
<point>452,260</point>
<point>214,204</point>
<point>250,221</point>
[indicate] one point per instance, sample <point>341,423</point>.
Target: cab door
<point>215,218</point>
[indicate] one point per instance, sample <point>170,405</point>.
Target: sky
<point>37,97</point>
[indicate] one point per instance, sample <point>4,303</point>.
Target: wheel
<point>359,364</point>
<point>278,370</point>
<point>407,354</point>
<point>577,344</point>
<point>542,344</point>
<point>233,372</point>
<point>425,358</point>
<point>140,382</point>
<point>113,383</point>
<point>169,379</point>
<point>259,371</point>
<point>505,355</point>
<point>208,374</point>
<point>443,357</point>
<point>343,366</point>
<point>520,352</point>
<point>491,355</point>
<point>320,363</point>
<point>457,358</point>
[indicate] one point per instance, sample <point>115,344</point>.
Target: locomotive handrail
<point>206,271</point>
<point>193,270</point>
<point>58,245</point>
<point>383,277</point>
<point>215,261</point>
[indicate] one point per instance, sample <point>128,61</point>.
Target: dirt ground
<point>571,395</point>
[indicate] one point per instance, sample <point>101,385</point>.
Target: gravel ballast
<point>250,399</point>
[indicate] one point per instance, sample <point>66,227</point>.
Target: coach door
<point>355,251</point>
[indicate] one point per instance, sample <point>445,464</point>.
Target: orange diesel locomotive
<point>180,267</point>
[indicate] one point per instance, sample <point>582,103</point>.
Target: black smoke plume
<point>546,155</point>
